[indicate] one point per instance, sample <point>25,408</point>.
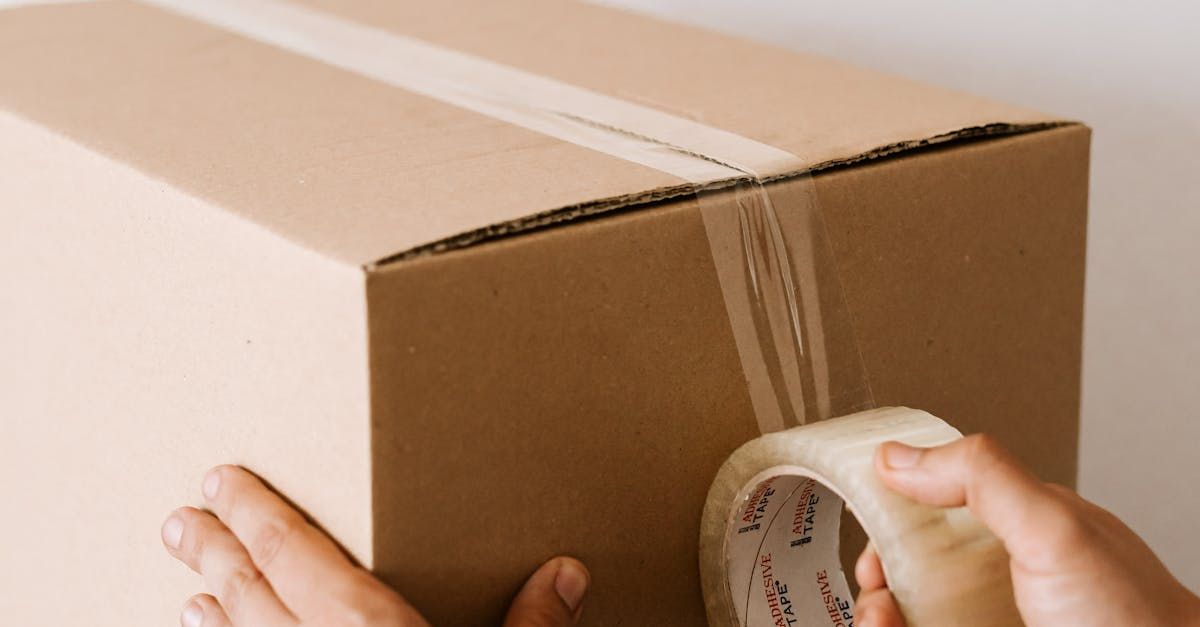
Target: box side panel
<point>571,391</point>
<point>964,270</point>
<point>146,337</point>
<point>574,390</point>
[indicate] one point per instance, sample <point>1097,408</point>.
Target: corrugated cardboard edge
<point>645,200</point>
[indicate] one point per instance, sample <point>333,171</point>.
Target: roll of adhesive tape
<point>769,537</point>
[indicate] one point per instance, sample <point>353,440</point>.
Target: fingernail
<point>212,483</point>
<point>571,583</point>
<point>172,532</point>
<point>192,616</point>
<point>899,456</point>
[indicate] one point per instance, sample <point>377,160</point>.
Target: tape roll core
<point>769,534</point>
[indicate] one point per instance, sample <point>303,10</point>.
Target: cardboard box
<point>461,345</point>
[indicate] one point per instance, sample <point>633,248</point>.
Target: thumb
<point>553,596</point>
<point>979,473</point>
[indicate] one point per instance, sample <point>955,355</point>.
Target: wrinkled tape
<point>769,534</point>
<point>786,309</point>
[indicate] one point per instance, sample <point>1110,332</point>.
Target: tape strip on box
<point>785,303</point>
<point>687,149</point>
<point>768,240</point>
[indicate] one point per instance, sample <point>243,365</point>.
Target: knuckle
<point>1069,529</point>
<point>983,464</point>
<point>237,588</point>
<point>984,454</point>
<point>984,447</point>
<point>1065,520</point>
<point>265,546</point>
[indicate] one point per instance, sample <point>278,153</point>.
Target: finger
<point>301,563</point>
<point>868,570</point>
<point>978,473</point>
<point>203,610</point>
<point>553,596</point>
<point>207,547</point>
<point>877,609</point>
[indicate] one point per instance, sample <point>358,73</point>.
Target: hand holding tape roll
<point>769,536</point>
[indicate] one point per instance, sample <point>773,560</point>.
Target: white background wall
<point>1131,71</point>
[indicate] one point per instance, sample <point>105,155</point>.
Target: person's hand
<point>1072,562</point>
<point>266,566</point>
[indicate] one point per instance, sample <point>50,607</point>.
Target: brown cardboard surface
<point>187,260</point>
<point>347,166</point>
<point>274,137</point>
<point>835,111</point>
<point>145,336</point>
<point>977,253</point>
<point>572,406</point>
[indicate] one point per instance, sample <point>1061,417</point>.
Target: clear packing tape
<point>769,533</point>
<point>771,528</point>
<point>787,314</point>
<point>769,538</point>
<point>785,304</point>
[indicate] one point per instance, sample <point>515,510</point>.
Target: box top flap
<point>362,170</point>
